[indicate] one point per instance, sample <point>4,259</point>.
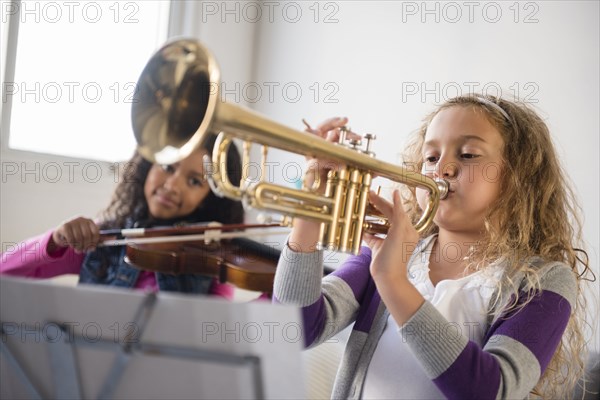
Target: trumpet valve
<point>355,143</point>
<point>369,137</point>
<point>343,131</point>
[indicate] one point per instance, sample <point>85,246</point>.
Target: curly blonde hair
<point>537,215</point>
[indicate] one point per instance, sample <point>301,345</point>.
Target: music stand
<point>91,341</point>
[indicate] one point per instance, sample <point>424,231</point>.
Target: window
<point>75,70</point>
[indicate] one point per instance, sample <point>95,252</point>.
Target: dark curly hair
<point>128,206</point>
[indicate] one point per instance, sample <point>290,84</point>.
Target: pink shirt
<point>31,259</point>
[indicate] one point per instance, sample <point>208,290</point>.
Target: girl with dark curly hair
<point>148,195</point>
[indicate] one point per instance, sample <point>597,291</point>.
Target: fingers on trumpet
<point>324,128</point>
<point>333,130</point>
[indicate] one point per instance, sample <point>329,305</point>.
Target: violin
<point>241,262</point>
<point>223,254</point>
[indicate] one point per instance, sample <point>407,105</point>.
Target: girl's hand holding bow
<point>80,233</point>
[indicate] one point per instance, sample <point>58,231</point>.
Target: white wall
<point>38,192</point>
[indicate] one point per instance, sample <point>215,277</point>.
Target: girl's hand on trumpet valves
<point>317,169</point>
<point>305,234</point>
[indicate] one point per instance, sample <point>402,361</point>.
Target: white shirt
<point>394,373</point>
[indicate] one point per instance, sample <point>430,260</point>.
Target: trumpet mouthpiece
<point>443,187</point>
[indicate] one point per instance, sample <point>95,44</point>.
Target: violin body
<point>241,262</point>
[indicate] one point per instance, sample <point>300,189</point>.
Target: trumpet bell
<point>175,101</point>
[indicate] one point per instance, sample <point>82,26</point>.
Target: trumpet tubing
<point>178,106</point>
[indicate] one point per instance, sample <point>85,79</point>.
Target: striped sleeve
<point>328,304</point>
<point>517,349</point>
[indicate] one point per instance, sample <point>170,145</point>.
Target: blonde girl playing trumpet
<point>488,302</point>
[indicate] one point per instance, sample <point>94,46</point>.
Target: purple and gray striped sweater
<point>517,346</point>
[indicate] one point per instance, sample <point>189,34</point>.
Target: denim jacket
<point>107,266</point>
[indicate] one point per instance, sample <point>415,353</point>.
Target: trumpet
<point>178,105</point>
